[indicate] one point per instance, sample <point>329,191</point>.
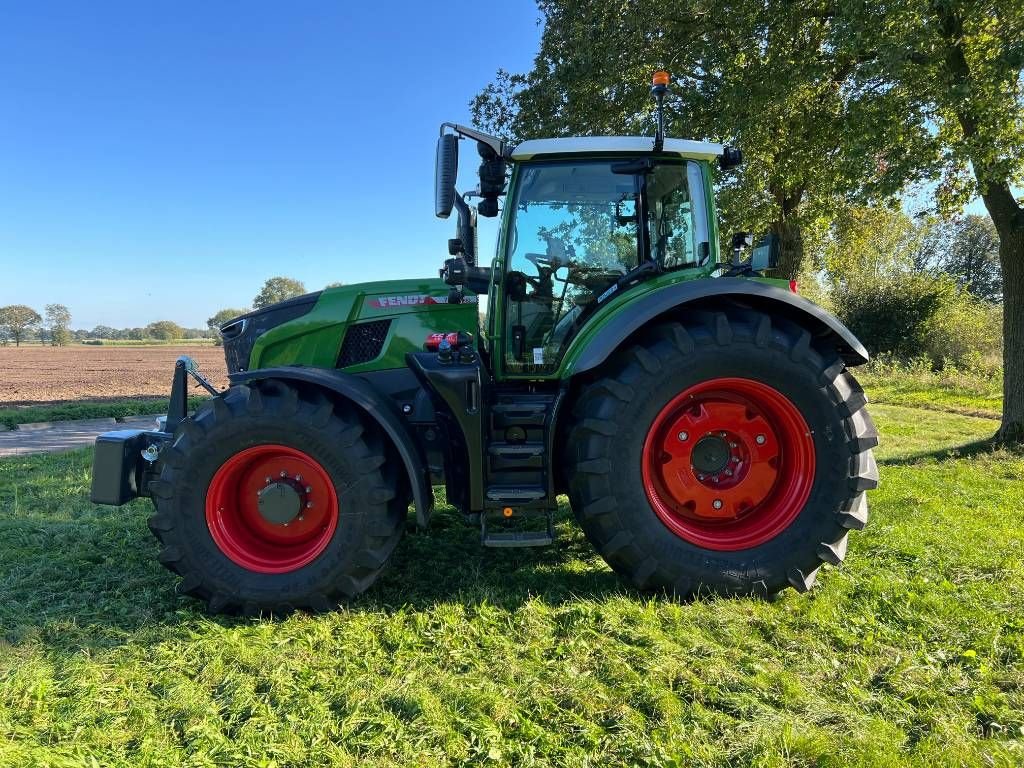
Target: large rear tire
<point>729,454</point>
<point>270,499</point>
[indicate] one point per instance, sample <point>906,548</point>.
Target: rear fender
<point>591,349</point>
<point>377,407</point>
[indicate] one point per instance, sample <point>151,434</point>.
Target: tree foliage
<point>165,330</point>
<point>278,289</point>
<point>58,320</point>
<point>18,322</point>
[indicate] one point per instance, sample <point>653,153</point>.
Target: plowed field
<point>34,374</point>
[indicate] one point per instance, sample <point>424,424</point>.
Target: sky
<point>161,160</point>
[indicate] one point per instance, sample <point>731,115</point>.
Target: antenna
<point>659,87</point>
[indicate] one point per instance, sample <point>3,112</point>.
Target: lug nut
<point>717,504</point>
<point>714,479</point>
<point>700,477</point>
<point>728,473</point>
<point>268,479</point>
<point>309,489</point>
<point>760,439</point>
<point>683,437</point>
<point>309,505</point>
<point>298,478</point>
<point>283,473</point>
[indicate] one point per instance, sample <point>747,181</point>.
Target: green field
<point>912,653</point>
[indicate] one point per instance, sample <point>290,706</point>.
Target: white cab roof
<point>607,144</point>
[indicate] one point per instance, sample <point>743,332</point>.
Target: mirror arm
<point>467,229</point>
<point>500,147</point>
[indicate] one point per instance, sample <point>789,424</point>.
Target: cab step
<point>514,494</point>
<point>518,539</point>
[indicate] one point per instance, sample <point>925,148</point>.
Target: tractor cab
<point>585,219</point>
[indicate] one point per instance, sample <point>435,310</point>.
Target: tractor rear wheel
<point>729,453</point>
<point>270,499</point>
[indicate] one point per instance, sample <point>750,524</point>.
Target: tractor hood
<point>359,327</point>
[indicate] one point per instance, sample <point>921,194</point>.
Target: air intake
<point>363,342</point>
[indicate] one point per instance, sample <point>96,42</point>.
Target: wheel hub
<point>711,455</point>
<point>279,503</point>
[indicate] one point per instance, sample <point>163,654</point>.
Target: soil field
<point>33,375</point>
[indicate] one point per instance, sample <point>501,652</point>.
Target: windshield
<point>574,233</point>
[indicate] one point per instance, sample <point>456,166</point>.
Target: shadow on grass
<point>95,583</point>
<point>965,451</point>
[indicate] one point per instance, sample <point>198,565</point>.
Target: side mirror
<point>731,158</point>
<point>492,179</point>
<point>742,240</point>
<point>765,254</point>
<point>445,172</point>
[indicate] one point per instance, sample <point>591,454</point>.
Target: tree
<point>214,323</point>
<point>165,330</point>
<point>278,289</point>
<point>971,257</point>
<point>18,321</point>
<point>775,77</point>
<point>103,332</point>
<point>58,318</point>
<point>868,244</point>
<point>962,62</point>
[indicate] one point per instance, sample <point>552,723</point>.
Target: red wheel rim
<point>728,464</point>
<point>296,531</point>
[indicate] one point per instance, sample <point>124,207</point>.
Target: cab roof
<point>700,150</point>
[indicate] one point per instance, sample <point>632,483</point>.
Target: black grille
<point>363,342</point>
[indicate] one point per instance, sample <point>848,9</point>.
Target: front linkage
<point>124,463</point>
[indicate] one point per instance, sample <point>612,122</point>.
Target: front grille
<point>363,342</point>
<point>240,334</point>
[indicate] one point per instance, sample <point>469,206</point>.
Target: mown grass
<point>88,409</point>
<point>911,654</point>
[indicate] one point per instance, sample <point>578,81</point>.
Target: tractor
<point>699,414</point>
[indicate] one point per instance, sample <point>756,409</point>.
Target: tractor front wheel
<point>270,499</point>
<point>729,453</point>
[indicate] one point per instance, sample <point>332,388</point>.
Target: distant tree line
<point>22,324</point>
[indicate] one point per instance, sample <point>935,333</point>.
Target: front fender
<point>592,347</point>
<point>377,407</point>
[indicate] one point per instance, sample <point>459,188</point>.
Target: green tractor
<point>700,416</point>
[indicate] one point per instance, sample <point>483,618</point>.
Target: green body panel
<point>417,308</point>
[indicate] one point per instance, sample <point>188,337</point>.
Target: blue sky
<point>161,160</point>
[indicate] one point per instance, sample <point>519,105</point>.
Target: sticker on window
<point>538,355</point>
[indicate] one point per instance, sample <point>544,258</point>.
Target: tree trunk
<point>791,248</point>
<point>1008,218</point>
<point>787,228</point>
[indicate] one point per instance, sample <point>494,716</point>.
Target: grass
<point>973,393</point>
<point>87,409</point>
<point>911,654</point>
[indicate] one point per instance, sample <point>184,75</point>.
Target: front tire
<point>728,454</point>
<point>270,499</point>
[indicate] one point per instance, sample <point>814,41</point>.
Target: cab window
<point>573,235</point>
